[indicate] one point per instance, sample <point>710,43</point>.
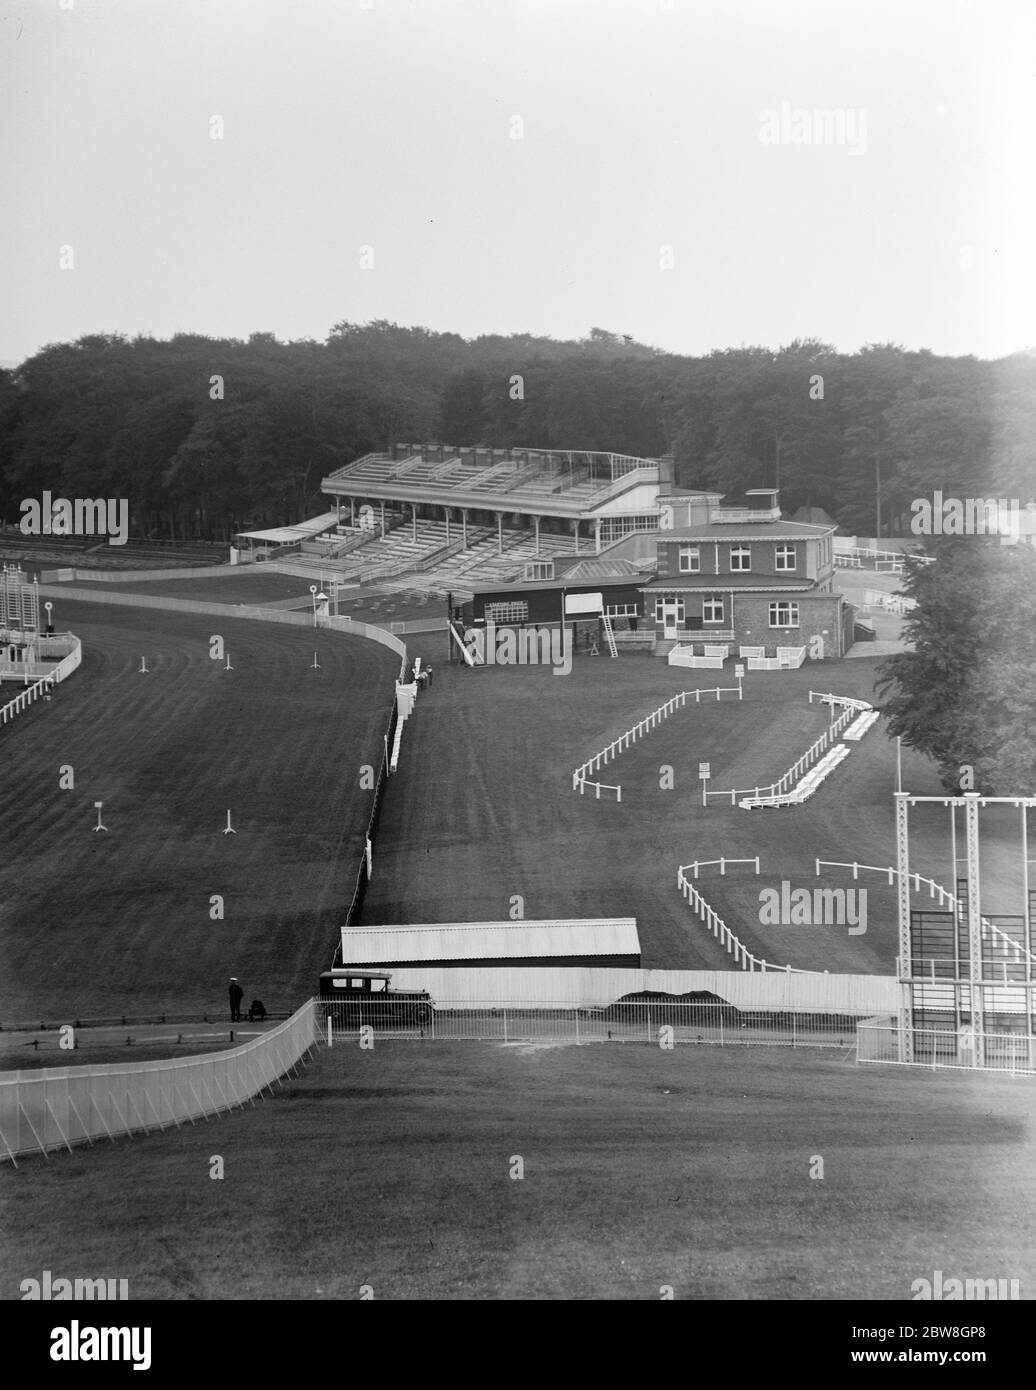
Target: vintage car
<point>352,997</point>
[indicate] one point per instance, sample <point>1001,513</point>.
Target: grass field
<point>641,1169</point>
<point>101,924</point>
<point>511,738</point>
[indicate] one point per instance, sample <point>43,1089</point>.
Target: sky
<point>545,166</point>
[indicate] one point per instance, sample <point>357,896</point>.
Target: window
<point>784,614</point>
<point>507,612</point>
<point>661,603</point>
<point>712,608</point>
<point>690,559</point>
<point>784,556</point>
<point>621,610</point>
<point>740,557</point>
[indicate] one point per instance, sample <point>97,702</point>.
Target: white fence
<point>1014,1053</point>
<point>787,658</point>
<point>650,721</point>
<point>733,945</point>
<point>56,1107</point>
<point>714,656</point>
<point>42,687</point>
<point>781,792</point>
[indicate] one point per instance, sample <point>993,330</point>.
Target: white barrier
<point>32,693</point>
<point>649,722</point>
<point>56,1107</point>
<point>787,659</point>
<point>714,922</point>
<point>783,791</point>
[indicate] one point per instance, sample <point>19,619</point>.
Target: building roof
<point>445,941</point>
<point>304,531</point>
<point>814,515</point>
<point>754,531</point>
<point>595,569</point>
<point>742,583</point>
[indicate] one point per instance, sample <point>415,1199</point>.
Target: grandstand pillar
<point>597,535</point>
<point>575,530</point>
<point>499,533</point>
<point>352,511</point>
<point>536,523</point>
<point>464,527</point>
<point>413,508</point>
<point>383,521</point>
<point>447,511</point>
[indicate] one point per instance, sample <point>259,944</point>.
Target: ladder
<point>609,635</point>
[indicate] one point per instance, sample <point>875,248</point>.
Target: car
<point>353,997</point>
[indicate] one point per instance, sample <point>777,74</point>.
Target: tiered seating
<point>806,787</point>
<point>860,725</point>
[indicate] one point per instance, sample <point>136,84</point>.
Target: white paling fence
<point>580,780</point>
<point>734,946</point>
<point>32,693</point>
<point>798,782</point>
<point>56,1107</point>
<point>787,658</point>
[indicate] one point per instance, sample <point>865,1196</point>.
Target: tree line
<point>206,437</point>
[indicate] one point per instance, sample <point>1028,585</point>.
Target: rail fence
<point>57,1107</point>
<point>780,790</point>
<point>42,687</point>
<point>627,1020</point>
<point>1015,953</point>
<point>580,781</point>
<point>951,1049</point>
<point>733,945</point>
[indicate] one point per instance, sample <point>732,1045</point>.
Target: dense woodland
<point>136,418</point>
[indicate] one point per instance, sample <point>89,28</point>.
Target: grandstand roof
<point>442,942</point>
<point>597,568</point>
<point>284,535</point>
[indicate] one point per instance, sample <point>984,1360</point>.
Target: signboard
<point>704,771</point>
<point>583,603</point>
<point>739,672</point>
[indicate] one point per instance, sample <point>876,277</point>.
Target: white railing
<point>714,922</point>
<point>645,725</point>
<point>945,899</point>
<point>954,1049</point>
<point>56,1107</point>
<point>782,788</point>
<point>33,692</point>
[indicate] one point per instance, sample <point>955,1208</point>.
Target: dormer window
<point>784,557</point>
<point>740,557</point>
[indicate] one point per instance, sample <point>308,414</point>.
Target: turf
<point>642,1168</point>
<point>107,924</point>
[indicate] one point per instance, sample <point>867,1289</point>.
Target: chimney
<point>666,473</point>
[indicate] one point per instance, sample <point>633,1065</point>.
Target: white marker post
<point>704,772</point>
<point>99,826</point>
<point>143,667</point>
<point>229,828</point>
<point>316,663</point>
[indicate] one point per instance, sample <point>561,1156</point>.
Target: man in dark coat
<point>236,994</point>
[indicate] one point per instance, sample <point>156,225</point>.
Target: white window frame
<point>741,552</point>
<point>792,609</point>
<point>709,603</point>
<point>691,554</point>
<point>782,555</point>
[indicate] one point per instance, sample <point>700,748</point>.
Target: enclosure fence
<point>42,687</point>
<point>56,1107</point>
<point>948,1049</point>
<point>580,780</point>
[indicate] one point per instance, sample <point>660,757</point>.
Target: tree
<point>964,695</point>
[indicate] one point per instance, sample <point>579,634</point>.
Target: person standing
<point>431,674</point>
<point>236,994</point>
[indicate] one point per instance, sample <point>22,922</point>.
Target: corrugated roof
<point>443,941</point>
<point>598,569</point>
<point>282,535</point>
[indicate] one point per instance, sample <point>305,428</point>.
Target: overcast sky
<point>390,125</point>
